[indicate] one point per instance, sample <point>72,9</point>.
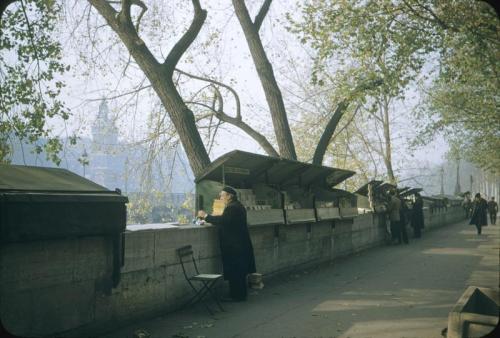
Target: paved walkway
<point>397,291</point>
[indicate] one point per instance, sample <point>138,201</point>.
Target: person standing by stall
<point>235,244</point>
<point>394,216</point>
<point>417,216</point>
<point>479,218</point>
<point>467,205</point>
<point>404,218</point>
<point>493,210</point>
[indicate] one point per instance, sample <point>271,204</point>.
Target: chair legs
<point>201,293</point>
<point>213,293</point>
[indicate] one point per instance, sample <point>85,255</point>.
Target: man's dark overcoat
<point>479,216</point>
<point>417,214</point>
<point>234,239</point>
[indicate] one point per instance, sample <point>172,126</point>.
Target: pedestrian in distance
<point>235,244</point>
<point>479,209</point>
<point>404,215</point>
<point>417,216</point>
<point>394,208</point>
<point>493,210</point>
<point>467,205</point>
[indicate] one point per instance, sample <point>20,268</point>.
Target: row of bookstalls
<point>282,191</point>
<point>43,203</point>
<point>276,190</point>
<point>374,196</point>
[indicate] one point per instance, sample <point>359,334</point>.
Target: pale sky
<point>235,68</point>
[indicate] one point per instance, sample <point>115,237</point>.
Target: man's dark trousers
<point>493,218</point>
<point>402,232</point>
<point>238,287</point>
<point>395,230</point>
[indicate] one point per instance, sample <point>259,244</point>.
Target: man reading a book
<point>235,245</point>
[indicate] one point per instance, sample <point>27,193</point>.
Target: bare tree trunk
<point>266,75</point>
<point>326,137</point>
<point>387,139</point>
<point>160,74</point>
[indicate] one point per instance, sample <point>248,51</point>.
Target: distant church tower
<point>104,149</point>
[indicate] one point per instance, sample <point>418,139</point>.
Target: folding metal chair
<point>206,281</point>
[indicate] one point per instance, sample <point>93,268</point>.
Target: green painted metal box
<point>39,203</point>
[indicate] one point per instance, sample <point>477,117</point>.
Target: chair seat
<point>206,277</point>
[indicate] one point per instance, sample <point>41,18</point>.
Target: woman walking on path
<point>479,209</point>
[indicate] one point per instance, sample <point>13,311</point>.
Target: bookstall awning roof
<point>384,187</point>
<point>402,190</point>
<point>363,190</point>
<point>239,168</point>
<point>411,191</point>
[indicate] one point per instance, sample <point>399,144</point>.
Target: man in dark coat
<point>417,216</point>
<point>493,210</point>
<point>479,209</point>
<point>235,245</point>
<point>404,219</point>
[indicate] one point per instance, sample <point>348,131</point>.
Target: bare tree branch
<point>187,39</point>
<point>264,69</point>
<point>206,79</point>
<point>125,12</point>
<point>161,76</point>
<point>144,8</point>
<point>368,147</point>
<point>344,127</point>
<point>262,14</point>
<point>326,137</point>
<point>238,122</point>
<point>33,45</point>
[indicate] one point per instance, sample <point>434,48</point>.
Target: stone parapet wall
<point>57,286</point>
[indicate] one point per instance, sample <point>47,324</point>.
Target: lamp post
<point>457,185</point>
<point>84,160</point>
<point>442,180</point>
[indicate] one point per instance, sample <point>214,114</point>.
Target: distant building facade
<point>106,156</point>
<point>112,163</point>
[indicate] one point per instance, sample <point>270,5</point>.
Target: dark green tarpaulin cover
<point>27,178</point>
<point>19,182</point>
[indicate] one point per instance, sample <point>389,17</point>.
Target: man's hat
<point>230,190</point>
